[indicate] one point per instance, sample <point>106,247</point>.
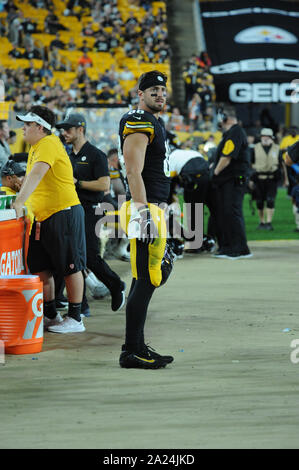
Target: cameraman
<point>267,163</point>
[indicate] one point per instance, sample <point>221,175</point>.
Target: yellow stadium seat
<point>127,85</point>
<point>15,63</point>
<point>73,56</point>
<point>59,5</point>
<point>19,145</point>
<point>93,73</point>
<point>101,59</point>
<point>45,38</point>
<point>37,63</point>
<point>86,19</point>
<point>89,41</point>
<point>65,36</point>
<point>36,84</point>
<point>131,62</point>
<point>68,76</point>
<point>157,6</point>
<point>5,107</point>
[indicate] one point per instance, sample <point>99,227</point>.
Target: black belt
<point>90,206</point>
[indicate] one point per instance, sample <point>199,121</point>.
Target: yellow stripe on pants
<point>155,250</point>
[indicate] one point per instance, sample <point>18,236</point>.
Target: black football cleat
<point>142,360</point>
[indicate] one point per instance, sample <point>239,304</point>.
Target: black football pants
<point>93,259</point>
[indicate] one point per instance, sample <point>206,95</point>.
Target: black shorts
<point>62,246</point>
<point>266,189</point>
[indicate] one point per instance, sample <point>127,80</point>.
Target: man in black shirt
<point>230,179</point>
<point>144,158</point>
<point>91,176</point>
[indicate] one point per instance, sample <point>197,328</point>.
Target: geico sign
<point>262,92</point>
<point>257,65</point>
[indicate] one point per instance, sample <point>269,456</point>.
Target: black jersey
<point>234,145</point>
<point>155,173</point>
<point>89,164</point>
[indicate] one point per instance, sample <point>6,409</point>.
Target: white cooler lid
<point>19,276</point>
<point>7,214</point>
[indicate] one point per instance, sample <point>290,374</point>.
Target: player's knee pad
<point>167,263</point>
<point>270,202</point>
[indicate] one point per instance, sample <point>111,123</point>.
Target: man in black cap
<point>91,176</point>
<point>12,175</point>
<point>145,162</point>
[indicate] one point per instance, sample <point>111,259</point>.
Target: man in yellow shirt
<point>57,240</point>
<point>289,139</point>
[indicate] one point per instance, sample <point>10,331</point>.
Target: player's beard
<point>155,107</point>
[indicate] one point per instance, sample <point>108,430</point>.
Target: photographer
<point>267,162</point>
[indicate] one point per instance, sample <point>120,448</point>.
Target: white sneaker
<point>97,289</point>
<point>68,325</point>
<point>100,292</point>
<point>52,321</point>
<point>249,255</point>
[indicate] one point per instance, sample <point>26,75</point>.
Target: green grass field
<point>283,220</point>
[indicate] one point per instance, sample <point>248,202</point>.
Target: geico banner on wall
<point>254,49</point>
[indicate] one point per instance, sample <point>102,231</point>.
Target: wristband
<point>78,184</point>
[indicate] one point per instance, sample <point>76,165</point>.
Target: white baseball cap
<point>32,117</point>
<point>267,132</point>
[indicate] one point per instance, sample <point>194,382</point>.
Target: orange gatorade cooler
<point>21,314</point>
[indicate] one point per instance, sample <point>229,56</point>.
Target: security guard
<point>230,178</point>
<point>267,163</point>
<point>143,154</point>
<point>91,176</point>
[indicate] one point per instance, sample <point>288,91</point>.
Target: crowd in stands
<point>200,93</point>
<point>141,37</point>
<point>129,39</point>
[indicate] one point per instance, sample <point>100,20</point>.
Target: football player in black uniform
<point>144,157</point>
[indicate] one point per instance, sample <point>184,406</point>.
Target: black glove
<point>110,200</point>
<point>148,229</point>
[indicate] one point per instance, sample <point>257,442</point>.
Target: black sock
<point>75,311</point>
<point>136,311</point>
<point>50,309</point>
